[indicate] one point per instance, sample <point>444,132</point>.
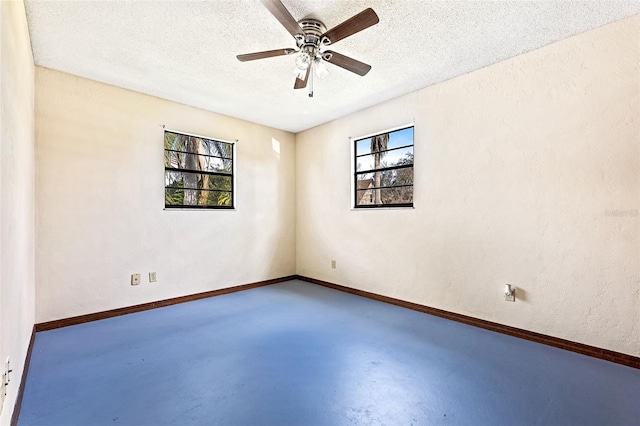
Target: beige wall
<point>100,197</point>
<point>527,172</point>
<point>17,283</point>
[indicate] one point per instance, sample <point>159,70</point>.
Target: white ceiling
<point>185,51</point>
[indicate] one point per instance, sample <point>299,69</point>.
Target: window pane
<point>197,197</point>
<point>174,196</point>
<point>401,137</point>
<point>386,178</point>
<point>216,148</point>
<point>396,139</point>
<point>393,158</point>
<point>197,181</point>
<point>388,196</point>
<point>181,160</point>
<point>196,145</point>
<point>363,146</point>
<point>212,164</point>
<point>171,140</point>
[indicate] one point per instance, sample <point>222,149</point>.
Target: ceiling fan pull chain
<point>311,78</point>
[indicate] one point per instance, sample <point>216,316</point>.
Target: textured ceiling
<point>185,51</point>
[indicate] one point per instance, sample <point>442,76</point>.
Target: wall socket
<point>333,264</point>
<point>153,277</point>
<point>135,279</point>
<point>509,293</point>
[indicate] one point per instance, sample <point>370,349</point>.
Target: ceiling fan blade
<point>265,54</point>
<point>301,84</point>
<point>346,62</point>
<point>357,23</point>
<point>281,13</point>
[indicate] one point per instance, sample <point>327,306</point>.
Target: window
<point>384,169</point>
<point>198,172</point>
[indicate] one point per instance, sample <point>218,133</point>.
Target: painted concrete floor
<point>299,354</point>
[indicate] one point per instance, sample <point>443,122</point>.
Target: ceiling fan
<point>312,43</point>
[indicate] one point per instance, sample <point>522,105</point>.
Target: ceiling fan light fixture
<point>321,68</point>
<point>303,60</point>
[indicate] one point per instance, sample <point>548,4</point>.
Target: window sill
<point>359,209</point>
<point>197,210</point>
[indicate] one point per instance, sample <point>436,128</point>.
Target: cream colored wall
<point>100,197</point>
<point>527,172</point>
<point>17,283</point>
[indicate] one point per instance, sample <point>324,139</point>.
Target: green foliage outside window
<point>198,172</point>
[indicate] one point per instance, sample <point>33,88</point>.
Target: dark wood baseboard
<point>608,355</point>
<point>50,325</point>
<point>605,354</point>
<point>23,380</point>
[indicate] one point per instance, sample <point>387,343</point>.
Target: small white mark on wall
<point>275,145</point>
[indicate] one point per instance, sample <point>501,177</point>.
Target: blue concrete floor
<point>299,354</point>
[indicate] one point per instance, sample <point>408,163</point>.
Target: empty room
<point>306,212</point>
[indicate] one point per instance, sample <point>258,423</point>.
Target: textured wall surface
<point>17,247</point>
<point>527,172</point>
<point>100,195</point>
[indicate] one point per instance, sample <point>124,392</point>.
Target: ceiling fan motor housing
<point>313,29</point>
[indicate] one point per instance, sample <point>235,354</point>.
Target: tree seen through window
<point>198,172</point>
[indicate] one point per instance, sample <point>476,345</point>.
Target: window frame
<point>233,205</point>
<point>354,170</point>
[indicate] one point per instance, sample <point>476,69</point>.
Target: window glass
<point>198,172</point>
<point>384,170</point>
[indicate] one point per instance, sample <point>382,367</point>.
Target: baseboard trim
<point>605,354</point>
<point>23,381</point>
<point>581,348</point>
<point>50,325</point>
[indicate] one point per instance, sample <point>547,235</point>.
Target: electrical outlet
<point>153,277</point>
<point>333,264</point>
<point>135,279</point>
<point>509,293</point>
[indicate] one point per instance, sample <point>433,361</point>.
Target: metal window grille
<point>198,172</point>
<point>383,165</point>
